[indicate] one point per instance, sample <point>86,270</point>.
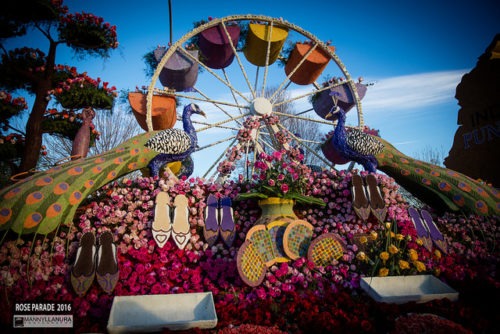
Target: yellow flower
<point>384,256</point>
<point>404,264</point>
<point>388,225</point>
<point>361,256</point>
<point>399,237</point>
<point>393,249</point>
<point>363,239</point>
<point>373,235</point>
<point>419,265</point>
<point>419,242</point>
<point>383,272</point>
<point>393,235</point>
<point>413,255</point>
<point>437,254</point>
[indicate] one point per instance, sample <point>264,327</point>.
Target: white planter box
<point>153,313</point>
<point>403,289</point>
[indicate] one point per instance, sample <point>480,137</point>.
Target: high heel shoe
<point>420,228</point>
<point>436,235</point>
<point>162,226</point>
<point>107,263</point>
<point>180,227</point>
<point>377,204</point>
<point>211,229</point>
<point>83,272</point>
<point>359,200</point>
<point>227,227</point>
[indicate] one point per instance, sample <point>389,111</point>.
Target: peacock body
<point>355,145</point>
<point>440,187</point>
<point>47,199</point>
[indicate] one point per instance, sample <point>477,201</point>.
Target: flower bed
<point>295,297</point>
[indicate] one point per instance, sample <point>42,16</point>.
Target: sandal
<point>83,272</point>
<point>162,226</point>
<point>180,227</point>
<point>359,200</point>
<point>107,263</point>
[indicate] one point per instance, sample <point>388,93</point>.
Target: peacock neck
<point>340,131</point>
<point>189,128</point>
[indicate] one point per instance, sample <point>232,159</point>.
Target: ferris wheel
<point>258,79</point>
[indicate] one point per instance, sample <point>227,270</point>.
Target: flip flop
<point>422,232</point>
<point>436,235</point>
<point>211,228</point>
<point>181,228</point>
<point>377,204</point>
<point>107,263</point>
<point>324,249</point>
<point>162,227</point>
<point>276,230</point>
<point>260,237</point>
<point>360,202</point>
<point>227,227</point>
<point>297,238</point>
<point>83,272</point>
<point>250,264</point>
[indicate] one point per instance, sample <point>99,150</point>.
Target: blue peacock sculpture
<point>175,144</point>
<point>445,189</point>
<point>354,145</point>
<point>47,199</point>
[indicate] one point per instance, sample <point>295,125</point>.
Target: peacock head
<point>334,113</point>
<point>193,108</point>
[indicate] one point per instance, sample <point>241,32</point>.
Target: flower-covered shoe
<point>162,226</point>
<point>359,200</point>
<point>180,227</point>
<point>211,229</point>
<point>107,263</point>
<point>83,272</point>
<point>227,227</point>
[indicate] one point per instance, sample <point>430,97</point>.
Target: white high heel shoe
<point>162,227</point>
<point>181,229</point>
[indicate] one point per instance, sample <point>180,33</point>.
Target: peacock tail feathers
<point>440,187</point>
<point>46,199</point>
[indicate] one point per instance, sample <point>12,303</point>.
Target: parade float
<point>273,245</point>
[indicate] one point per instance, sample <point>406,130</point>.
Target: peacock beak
<point>202,114</point>
<point>334,111</point>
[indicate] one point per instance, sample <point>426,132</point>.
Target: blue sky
<point>415,51</point>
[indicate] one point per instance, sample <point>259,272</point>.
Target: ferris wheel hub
<point>261,106</point>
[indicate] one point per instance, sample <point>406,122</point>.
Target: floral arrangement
<point>10,106</point>
<point>85,32</point>
<point>296,297</point>
<point>389,253</point>
<point>77,90</point>
<point>281,174</point>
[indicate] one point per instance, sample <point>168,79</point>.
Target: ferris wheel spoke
<point>296,116</point>
<point>232,92</point>
<point>287,79</point>
<point>219,124</point>
<point>268,51</point>
<point>215,143</point>
<point>184,51</point>
<point>219,158</point>
<point>237,56</point>
<point>218,105</point>
<point>304,144</point>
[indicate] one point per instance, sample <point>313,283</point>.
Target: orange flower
<point>383,272</point>
<point>413,255</point>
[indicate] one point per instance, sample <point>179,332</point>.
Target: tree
<point>36,73</point>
